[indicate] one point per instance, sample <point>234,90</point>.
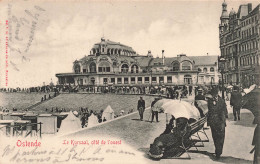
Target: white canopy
<point>108,113</point>
<point>92,120</point>
<point>69,124</point>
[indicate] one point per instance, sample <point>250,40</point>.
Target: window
<point>84,70</point>
<point>104,67</point>
<point>187,79</point>
<point>199,69</point>
<point>146,79</point>
<point>113,80</point>
<point>126,80</point>
<point>154,79</point>
<point>134,69</point>
<point>205,70</point>
<point>77,68</point>
<point>212,80</point>
<point>176,66</point>
<point>140,79</point>
<point>105,81</point>
<point>211,69</point>
<point>186,66</point>
<point>132,80</point>
<point>124,68</point>
<point>119,80</point>
<point>169,79</point>
<point>92,67</point>
<point>161,79</point>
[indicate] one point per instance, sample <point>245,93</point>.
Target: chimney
<point>249,7</point>
<point>163,57</point>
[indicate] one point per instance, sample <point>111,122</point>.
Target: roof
<point>168,61</point>
<point>243,10</point>
<point>143,60</point>
<point>204,60</point>
<point>127,59</point>
<point>112,44</point>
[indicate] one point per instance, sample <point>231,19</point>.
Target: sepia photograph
<point>120,81</point>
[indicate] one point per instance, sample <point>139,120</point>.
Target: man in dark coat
<point>236,102</point>
<point>217,115</point>
<point>141,107</point>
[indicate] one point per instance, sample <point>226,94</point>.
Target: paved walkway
<point>140,134</point>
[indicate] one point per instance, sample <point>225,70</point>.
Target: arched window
<point>92,67</point>
<point>104,67</point>
<point>84,68</point>
<point>134,69</point>
<point>205,70</point>
<point>92,80</point>
<point>199,69</point>
<point>176,66</point>
<point>186,66</point>
<point>77,68</point>
<point>187,79</point>
<point>212,69</point>
<point>124,68</point>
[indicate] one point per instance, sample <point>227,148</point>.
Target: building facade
<point>239,44</point>
<point>114,64</point>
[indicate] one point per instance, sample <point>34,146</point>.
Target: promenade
<point>140,134</point>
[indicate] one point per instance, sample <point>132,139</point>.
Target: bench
<point>195,129</point>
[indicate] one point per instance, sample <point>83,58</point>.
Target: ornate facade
<point>239,44</point>
<point>112,63</point>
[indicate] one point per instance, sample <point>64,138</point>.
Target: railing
<point>20,129</point>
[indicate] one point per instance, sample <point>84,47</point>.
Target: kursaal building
<point>112,63</point>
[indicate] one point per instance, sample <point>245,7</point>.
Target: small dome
<point>232,12</point>
<point>224,14</point>
<point>149,54</point>
<point>224,4</point>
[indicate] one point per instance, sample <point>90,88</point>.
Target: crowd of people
<point>44,98</point>
<point>85,113</point>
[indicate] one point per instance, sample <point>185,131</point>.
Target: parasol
<point>159,103</point>
<point>180,109</point>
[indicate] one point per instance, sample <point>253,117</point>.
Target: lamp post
<point>222,68</point>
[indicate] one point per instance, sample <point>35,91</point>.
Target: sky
<point>45,37</point>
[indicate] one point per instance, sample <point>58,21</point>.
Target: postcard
<point>111,81</point>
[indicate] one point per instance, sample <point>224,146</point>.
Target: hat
<point>236,88</point>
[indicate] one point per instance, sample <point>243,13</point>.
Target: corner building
<point>239,44</point>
